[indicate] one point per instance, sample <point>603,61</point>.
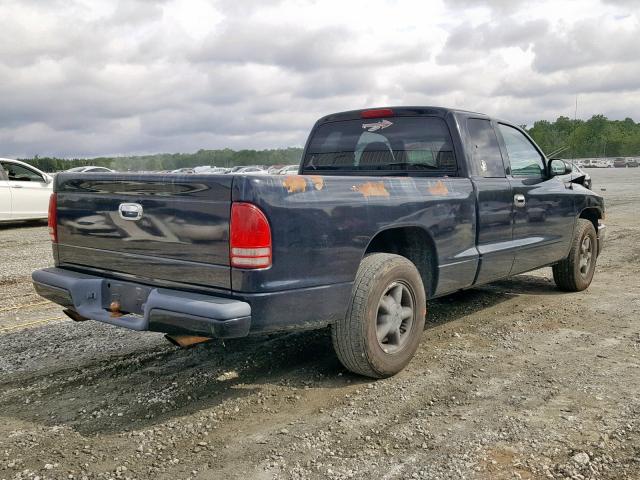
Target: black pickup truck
<point>391,207</point>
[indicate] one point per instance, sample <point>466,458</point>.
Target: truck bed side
<point>323,225</point>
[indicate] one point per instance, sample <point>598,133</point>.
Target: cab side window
<point>18,173</point>
<point>524,158</point>
<point>485,150</point>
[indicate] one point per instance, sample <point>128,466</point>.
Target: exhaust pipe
<point>184,341</point>
<point>73,315</point>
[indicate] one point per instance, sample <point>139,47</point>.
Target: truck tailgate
<point>181,235</point>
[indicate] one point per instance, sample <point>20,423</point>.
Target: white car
<point>209,170</point>
<point>90,169</point>
<point>289,170</point>
<point>24,191</point>
<point>251,171</point>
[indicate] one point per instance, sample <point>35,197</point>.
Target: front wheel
<point>383,326</point>
<point>574,273</point>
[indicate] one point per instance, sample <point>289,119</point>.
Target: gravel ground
<point>515,380</point>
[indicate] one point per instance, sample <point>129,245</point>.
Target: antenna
<point>573,140</point>
<point>557,151</point>
<point>575,122</point>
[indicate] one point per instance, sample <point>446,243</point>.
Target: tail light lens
<point>377,113</point>
<point>250,244</point>
<point>53,217</point>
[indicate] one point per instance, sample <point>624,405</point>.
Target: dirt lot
<point>514,380</point>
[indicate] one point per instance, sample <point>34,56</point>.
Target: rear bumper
<point>178,312</point>
<point>155,309</point>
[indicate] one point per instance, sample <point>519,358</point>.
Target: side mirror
<point>559,167</point>
<point>48,179</point>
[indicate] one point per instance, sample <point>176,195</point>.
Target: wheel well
<point>413,243</point>
<point>591,214</point>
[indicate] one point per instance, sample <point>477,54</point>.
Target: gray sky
<point>93,77</point>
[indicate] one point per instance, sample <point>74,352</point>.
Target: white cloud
<point>98,77</point>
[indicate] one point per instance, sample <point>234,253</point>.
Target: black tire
<point>572,274</point>
<point>355,338</point>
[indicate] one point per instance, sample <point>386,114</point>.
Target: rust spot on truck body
<point>318,181</point>
<point>294,183</point>
<point>439,189</point>
<point>371,189</point>
<point>114,308</point>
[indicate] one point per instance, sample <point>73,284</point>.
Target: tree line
<point>596,137</point>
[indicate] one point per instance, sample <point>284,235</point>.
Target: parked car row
<point>620,162</point>
<point>594,163</point>
<point>240,170</point>
<point>205,169</point>
<point>90,169</point>
<point>625,162</point>
<point>25,190</point>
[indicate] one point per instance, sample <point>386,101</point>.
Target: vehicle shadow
<point>526,284</point>
<point>138,385</point>
<point>451,307</point>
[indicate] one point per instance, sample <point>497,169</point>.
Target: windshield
<point>390,144</point>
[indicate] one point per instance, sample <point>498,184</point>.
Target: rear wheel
<point>383,326</point>
<point>575,272</point>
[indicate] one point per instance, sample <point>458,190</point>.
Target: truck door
<point>494,200</point>
<point>544,215</point>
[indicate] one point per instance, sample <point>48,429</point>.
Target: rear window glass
<point>382,144</point>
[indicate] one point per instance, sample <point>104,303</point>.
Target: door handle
<point>519,200</point>
<point>16,186</point>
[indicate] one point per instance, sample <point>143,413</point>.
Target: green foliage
<point>596,137</point>
<point>172,161</point>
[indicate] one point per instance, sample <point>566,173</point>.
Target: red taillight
<point>377,113</point>
<point>250,239</point>
<point>53,217</point>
